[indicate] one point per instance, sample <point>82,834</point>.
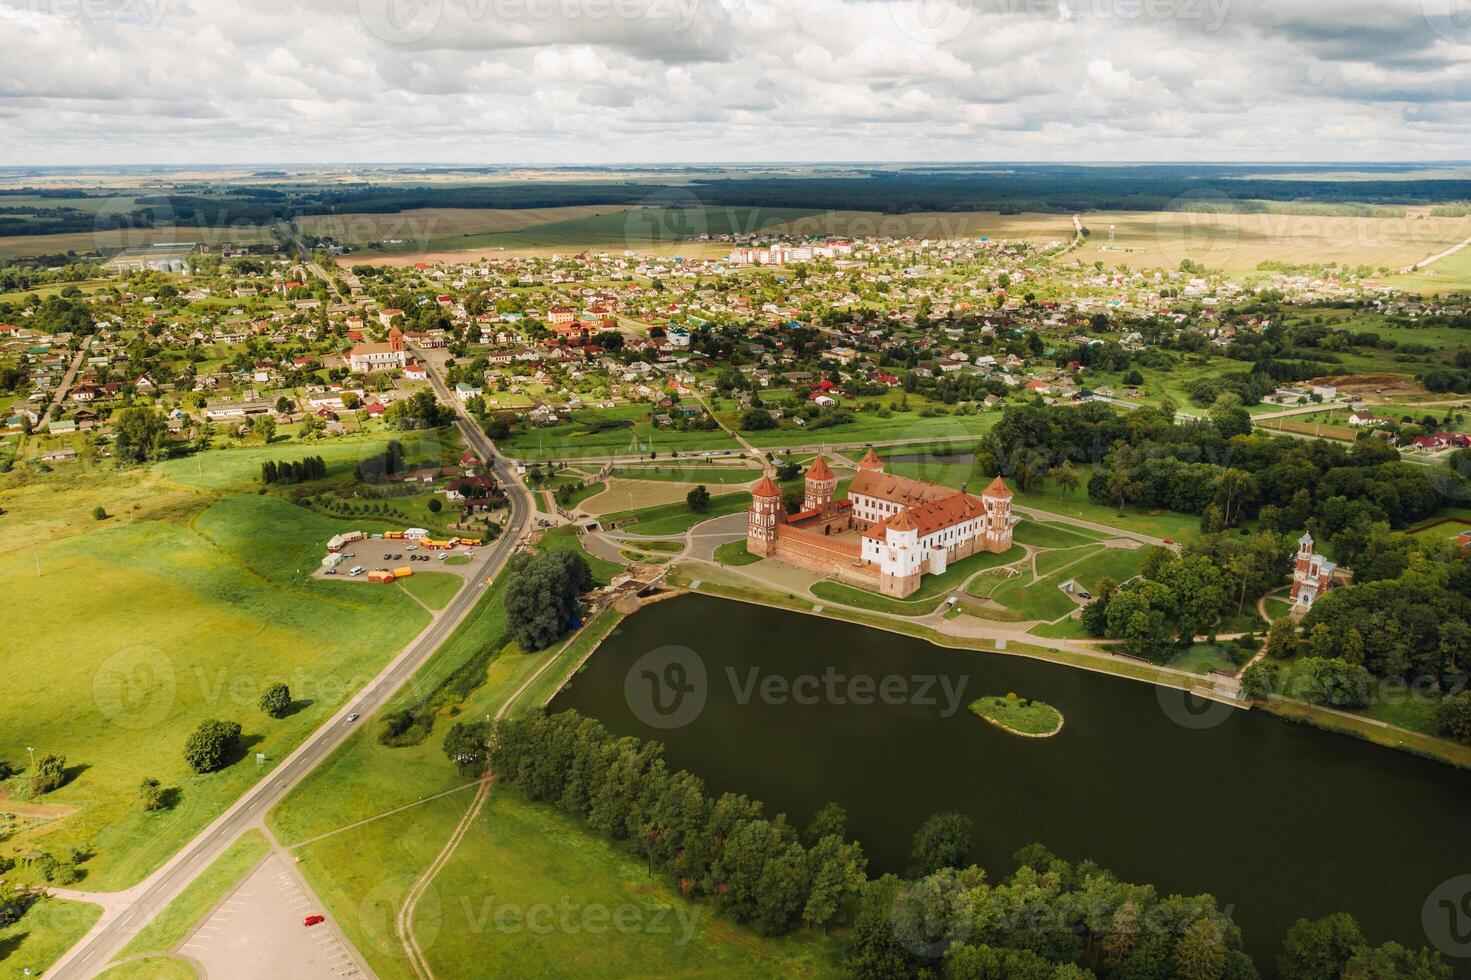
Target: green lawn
<point>1042,534</point>
<point>1202,658</point>
<point>674,472</point>
<point>151,968</point>
<point>1044,600</point>
<point>434,589</point>
<point>171,926</point>
<point>868,427</point>
<point>863,599</point>
<point>566,537</point>
<point>931,587</point>
<point>735,553</point>
<point>1050,561</point>
<point>676,517</point>
<point>164,624</point>
<point>48,929</point>
<point>619,431</point>
<point>226,469</point>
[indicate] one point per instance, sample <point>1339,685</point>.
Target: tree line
<point>293,471</point>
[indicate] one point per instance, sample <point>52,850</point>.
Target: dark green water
<point>1274,819</point>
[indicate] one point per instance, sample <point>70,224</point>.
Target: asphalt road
<point>144,901</point>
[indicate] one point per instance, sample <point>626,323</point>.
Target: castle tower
<point>762,519</point>
<point>821,484</point>
<point>395,339</point>
<point>870,461</point>
<point>901,562</point>
<point>996,528</point>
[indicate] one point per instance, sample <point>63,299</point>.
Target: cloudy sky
<point>620,81</point>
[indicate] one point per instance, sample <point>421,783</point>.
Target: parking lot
<point>388,554</point>
<point>258,932</point>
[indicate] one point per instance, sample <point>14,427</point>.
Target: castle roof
<point>766,488</point>
<point>896,489</point>
<point>819,469</point>
<point>870,461</point>
<point>930,517</point>
<point>997,488</point>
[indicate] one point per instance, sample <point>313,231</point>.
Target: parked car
<point>353,716</point>
<point>356,570</point>
<point>313,920</point>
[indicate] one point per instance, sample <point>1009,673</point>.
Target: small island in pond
<point>1030,719</point>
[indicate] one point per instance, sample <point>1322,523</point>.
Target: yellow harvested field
<point>1038,228</point>
<point>689,250</point>
<point>1237,243</point>
<point>422,225</point>
<point>20,246</point>
<point>623,494</point>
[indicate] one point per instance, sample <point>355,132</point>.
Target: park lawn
<point>1045,534</point>
<point>1277,608</point>
<point>172,926</point>
<point>867,427</point>
<point>523,853</point>
<point>1202,658</point>
<point>1063,629</point>
<point>1018,715</point>
<point>49,928</point>
<point>1161,524</point>
<point>229,469</point>
<point>1050,561</point>
<point>166,624</point>
<point>863,599</point>
<point>667,547</point>
<point>675,473</point>
<point>1044,600</point>
<point>434,589</point>
<point>151,968</point>
<point>676,517</point>
<point>579,494</point>
<point>735,553</point>
<point>620,431</point>
<point>457,560</point>
<point>566,538</point>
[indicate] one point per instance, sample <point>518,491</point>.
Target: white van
<point>356,570</point>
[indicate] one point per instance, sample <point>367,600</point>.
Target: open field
<point>151,968</point>
<point>49,928</point>
<point>191,605</point>
<point>620,495</point>
<point>1237,243</point>
<point>418,226</point>
<point>676,518</point>
<point>1036,228</point>
<point>20,246</point>
<point>434,589</point>
<point>620,431</point>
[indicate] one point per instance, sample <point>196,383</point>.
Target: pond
<point>1276,820</point>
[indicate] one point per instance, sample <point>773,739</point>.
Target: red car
<point>312,920</point>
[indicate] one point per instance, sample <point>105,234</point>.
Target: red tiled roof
<point>819,469</point>
<point>870,461</point>
<point>896,489</point>
<point>930,517</point>
<point>997,488</point>
<point>766,488</point>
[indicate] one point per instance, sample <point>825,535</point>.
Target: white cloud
<point>593,81</point>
